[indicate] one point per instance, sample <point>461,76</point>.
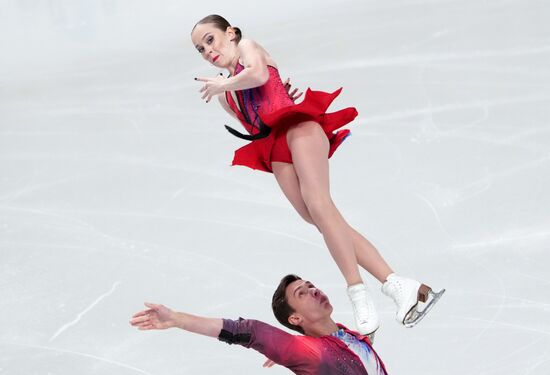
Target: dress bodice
<point>267,112</point>
<point>251,104</point>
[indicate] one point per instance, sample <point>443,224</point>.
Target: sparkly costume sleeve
<point>276,344</point>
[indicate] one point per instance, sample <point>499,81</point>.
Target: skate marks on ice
<point>66,353</point>
<point>81,314</point>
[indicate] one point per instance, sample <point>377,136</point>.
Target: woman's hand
<point>156,317</point>
<point>212,86</point>
<point>292,94</point>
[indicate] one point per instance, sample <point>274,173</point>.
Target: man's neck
<point>321,328</point>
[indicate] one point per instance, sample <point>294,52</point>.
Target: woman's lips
<point>215,58</point>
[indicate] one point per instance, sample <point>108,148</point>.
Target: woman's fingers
<point>203,79</point>
<point>207,96</point>
<point>207,89</point>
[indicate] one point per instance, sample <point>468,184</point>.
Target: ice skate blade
<point>416,315</point>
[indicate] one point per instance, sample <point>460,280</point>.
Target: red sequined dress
<point>266,112</point>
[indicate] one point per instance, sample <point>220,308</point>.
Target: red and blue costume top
<point>303,355</point>
<point>267,111</point>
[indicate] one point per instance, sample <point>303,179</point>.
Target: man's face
<point>309,303</point>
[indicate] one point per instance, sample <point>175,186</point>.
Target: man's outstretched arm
<point>161,317</point>
<point>278,345</point>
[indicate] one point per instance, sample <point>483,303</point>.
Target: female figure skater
<point>294,142</point>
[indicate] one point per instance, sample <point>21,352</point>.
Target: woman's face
<point>215,45</point>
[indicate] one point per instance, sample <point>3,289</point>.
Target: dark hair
<point>280,306</point>
<point>220,23</point>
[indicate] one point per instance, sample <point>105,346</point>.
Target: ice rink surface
<point>115,184</point>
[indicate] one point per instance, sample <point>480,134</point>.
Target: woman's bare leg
<point>307,178</point>
<point>366,254</point>
<point>369,258</point>
<point>309,147</point>
<point>288,182</point>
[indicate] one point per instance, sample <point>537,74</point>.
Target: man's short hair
<point>280,306</point>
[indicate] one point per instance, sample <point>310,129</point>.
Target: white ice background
<point>115,184</point>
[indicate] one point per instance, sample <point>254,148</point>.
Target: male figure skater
<point>324,347</point>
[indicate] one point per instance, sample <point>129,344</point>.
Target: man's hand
<point>156,317</point>
<point>212,86</point>
<point>292,94</point>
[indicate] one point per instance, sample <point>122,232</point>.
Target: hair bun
<point>220,23</point>
<point>238,33</point>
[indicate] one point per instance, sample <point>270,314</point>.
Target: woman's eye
<point>210,39</point>
<point>201,50</point>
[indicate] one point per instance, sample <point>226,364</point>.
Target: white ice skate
<point>413,300</point>
<point>364,311</point>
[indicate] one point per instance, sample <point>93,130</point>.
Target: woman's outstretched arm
<point>254,74</point>
<point>161,317</point>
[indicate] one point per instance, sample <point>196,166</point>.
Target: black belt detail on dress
<point>264,132</point>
